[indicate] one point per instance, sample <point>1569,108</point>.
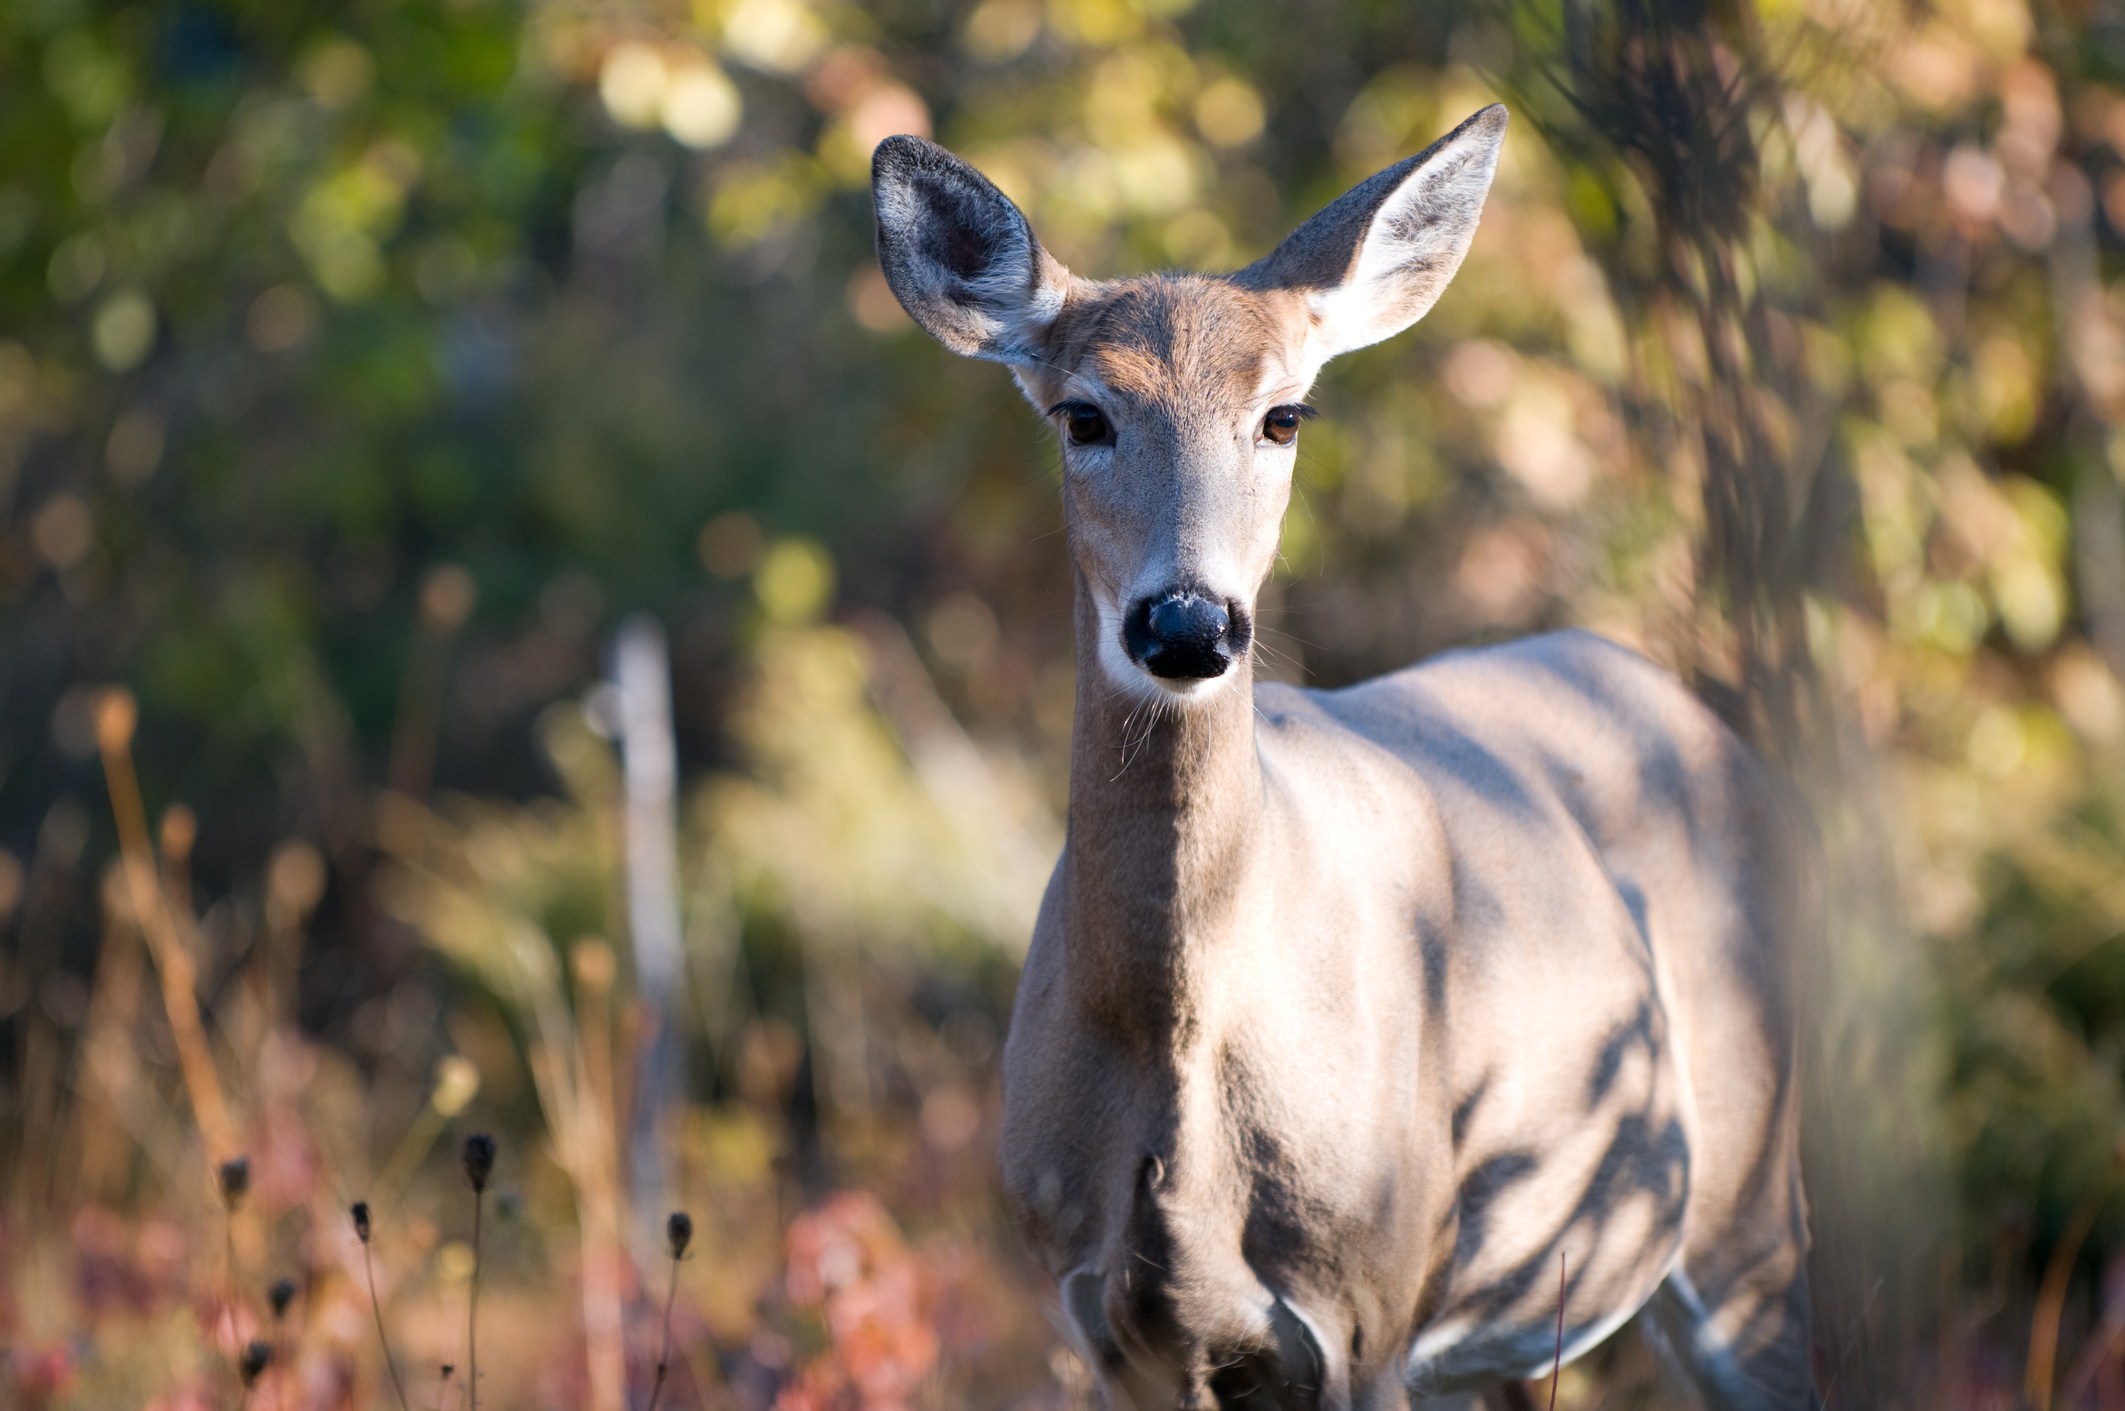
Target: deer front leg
<point>1747,1346</point>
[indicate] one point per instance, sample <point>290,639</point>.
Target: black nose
<point>1184,636</point>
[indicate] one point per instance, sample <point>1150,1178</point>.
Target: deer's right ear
<point>960,257</point>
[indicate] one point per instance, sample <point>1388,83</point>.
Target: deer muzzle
<point>1185,634</point>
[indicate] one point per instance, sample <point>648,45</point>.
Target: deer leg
<point>1733,1313</point>
<point>1747,1346</point>
<point>1509,1396</point>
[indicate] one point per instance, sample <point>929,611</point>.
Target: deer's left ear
<point>960,257</point>
<point>1375,261</point>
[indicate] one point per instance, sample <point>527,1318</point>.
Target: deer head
<point>1178,398</point>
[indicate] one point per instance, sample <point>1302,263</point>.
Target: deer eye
<point>1083,423</point>
<point>1282,424</point>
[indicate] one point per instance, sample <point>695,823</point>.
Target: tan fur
<point>1181,345</point>
<point>1353,1019</point>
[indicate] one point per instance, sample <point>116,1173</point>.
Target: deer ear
<point>959,256</point>
<point>1375,261</point>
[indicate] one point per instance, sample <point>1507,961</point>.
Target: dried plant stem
<point>2039,1380</point>
<point>376,1307</point>
<point>664,1353</point>
<point>1556,1366</point>
<point>472,1308</point>
<point>419,1138</point>
<point>596,1171</point>
<point>228,1302</point>
<point>571,1066</point>
<point>115,717</point>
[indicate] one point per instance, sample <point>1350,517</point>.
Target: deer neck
<point>1165,824</point>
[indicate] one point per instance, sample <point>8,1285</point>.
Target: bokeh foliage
<point>361,366</point>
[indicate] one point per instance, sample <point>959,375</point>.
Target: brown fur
<point>1177,344</point>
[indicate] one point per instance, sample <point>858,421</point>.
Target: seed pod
<point>478,1157</point>
<point>679,1232</point>
<point>361,1220</point>
<point>235,1174</point>
<point>280,1296</point>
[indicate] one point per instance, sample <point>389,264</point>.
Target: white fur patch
<point>1523,1355</point>
<point>1710,1337</point>
<point>1431,1348</point>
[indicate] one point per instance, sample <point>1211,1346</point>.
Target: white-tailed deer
<point>1356,1020</point>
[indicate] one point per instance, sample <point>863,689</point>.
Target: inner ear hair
<point>960,256</point>
<point>1378,257</point>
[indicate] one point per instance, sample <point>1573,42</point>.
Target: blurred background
<point>505,626</point>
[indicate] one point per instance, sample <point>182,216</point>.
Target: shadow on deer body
<point>1348,1014</point>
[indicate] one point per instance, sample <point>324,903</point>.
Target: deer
<point>1381,1043</point>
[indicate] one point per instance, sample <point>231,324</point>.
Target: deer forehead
<point>1187,348</point>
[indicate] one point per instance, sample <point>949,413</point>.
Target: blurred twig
<point>447,598</point>
<point>571,1068</point>
<point>2040,1372</point>
<point>116,716</point>
<point>456,1083</point>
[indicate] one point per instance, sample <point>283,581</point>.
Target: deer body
<point>1353,1020</point>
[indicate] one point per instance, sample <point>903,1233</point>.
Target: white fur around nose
<point>1132,680</point>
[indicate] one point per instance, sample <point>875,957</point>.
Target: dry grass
<point>168,1276</point>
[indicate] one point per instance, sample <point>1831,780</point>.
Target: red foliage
<point>37,1378</point>
<point>877,1299</point>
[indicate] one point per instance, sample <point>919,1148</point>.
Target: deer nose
<point>1182,635</point>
